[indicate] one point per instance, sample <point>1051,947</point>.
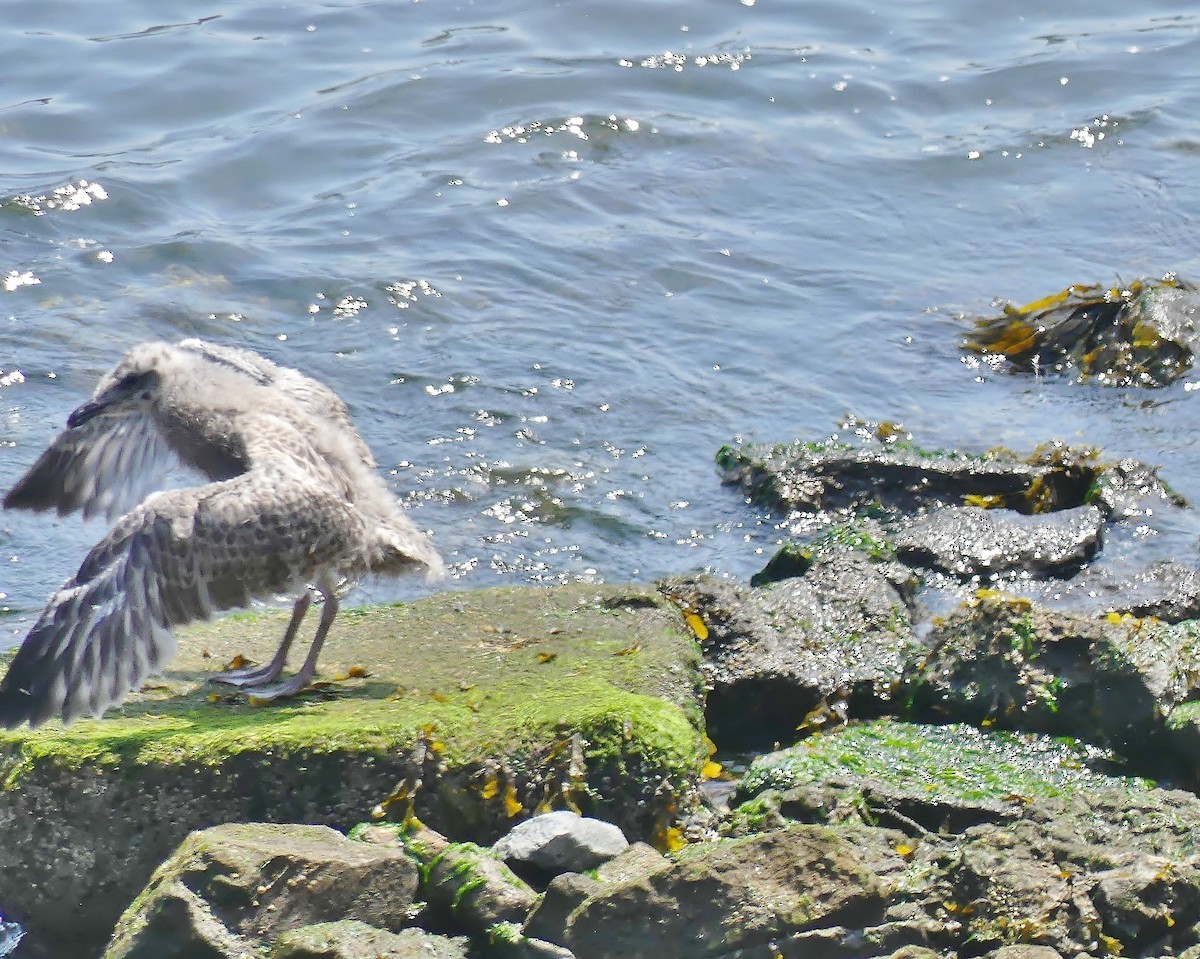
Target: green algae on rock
<point>478,708</point>
<point>1005,838</point>
<point>1012,663</point>
<point>935,765</point>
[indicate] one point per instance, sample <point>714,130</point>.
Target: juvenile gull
<point>294,503</point>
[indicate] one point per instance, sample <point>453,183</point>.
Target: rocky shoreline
<point>945,719</point>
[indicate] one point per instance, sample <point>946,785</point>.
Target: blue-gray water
<point>554,255</point>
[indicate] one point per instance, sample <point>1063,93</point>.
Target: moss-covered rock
<point>477,708</point>
<point>234,889</point>
<point>1012,663</point>
<point>1007,839</point>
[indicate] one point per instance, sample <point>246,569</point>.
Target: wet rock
<point>1142,334</point>
<point>467,885</point>
<point>1166,590</point>
<point>903,479</point>
<point>1081,862</point>
<point>1023,952</point>
<point>1127,488</point>
<point>349,939</point>
<point>714,898</point>
<point>777,656</point>
<point>476,707</point>
<point>569,890</point>
<point>235,889</point>
<point>1013,663</point>
<point>968,541</point>
<point>561,841</point>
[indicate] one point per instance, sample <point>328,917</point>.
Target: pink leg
<point>259,675</point>
<point>292,686</point>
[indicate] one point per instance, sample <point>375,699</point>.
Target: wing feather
<point>181,556</point>
<point>105,466</point>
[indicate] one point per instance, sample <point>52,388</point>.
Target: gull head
<point>134,386</point>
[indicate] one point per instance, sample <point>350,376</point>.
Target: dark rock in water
<point>1129,488</point>
<point>716,898</point>
<point>1012,663</point>
<point>778,656</point>
<point>233,890</point>
<point>967,541</point>
<point>1142,334</point>
<point>349,939</point>
<point>1078,862</point>
<point>561,841</point>
<point>902,478</point>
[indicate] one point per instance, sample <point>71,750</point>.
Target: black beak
<point>88,411</point>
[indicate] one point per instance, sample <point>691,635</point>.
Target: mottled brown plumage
<point>294,499</point>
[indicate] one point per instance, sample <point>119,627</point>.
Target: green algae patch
<point>467,710</point>
<point>940,764</point>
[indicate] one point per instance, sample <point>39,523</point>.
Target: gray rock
<point>967,541</point>
<point>561,841</point>
<point>718,897</point>
<point>1019,665</point>
<point>1081,863</point>
<point>565,893</point>
<point>781,656</point>
<point>233,890</point>
<point>1023,951</point>
<point>469,886</point>
<point>901,478</point>
<point>350,939</point>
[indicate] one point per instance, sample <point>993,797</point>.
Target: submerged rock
<point>233,890</point>
<point>1143,334</point>
<point>478,709</point>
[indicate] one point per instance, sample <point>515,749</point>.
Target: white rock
<point>561,841</point>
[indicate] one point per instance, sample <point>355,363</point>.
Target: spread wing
<point>106,465</point>
<point>178,557</point>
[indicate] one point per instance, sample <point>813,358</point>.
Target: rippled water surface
<point>554,255</point>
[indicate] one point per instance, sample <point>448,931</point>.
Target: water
<point>555,255</point>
